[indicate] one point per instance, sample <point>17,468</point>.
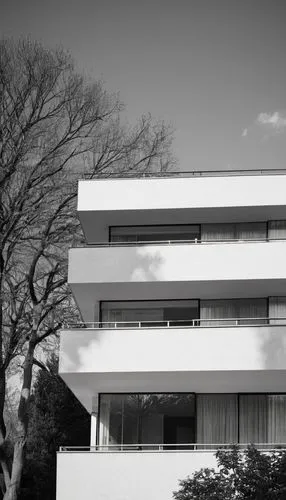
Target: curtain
<point>277,229</point>
<point>252,308</point>
<point>216,419</point>
<point>276,418</point>
<point>234,231</point>
<point>212,309</point>
<point>250,230</point>
<point>236,309</point>
<point>213,232</point>
<point>253,418</point>
<point>277,309</point>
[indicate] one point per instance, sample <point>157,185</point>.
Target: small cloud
<point>275,121</point>
<point>244,132</point>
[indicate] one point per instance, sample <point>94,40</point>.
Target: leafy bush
<point>248,474</point>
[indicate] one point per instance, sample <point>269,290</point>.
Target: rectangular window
<point>135,234</point>
<point>262,418</point>
<point>177,421</point>
<point>227,312</point>
<point>150,313</point>
<point>277,229</point>
<point>277,309</point>
<point>216,418</point>
<point>234,231</point>
<point>149,419</point>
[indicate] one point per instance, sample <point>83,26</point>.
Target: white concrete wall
<point>173,350</point>
<point>178,262</point>
<point>204,271</point>
<point>167,193</point>
<point>113,202</point>
<point>125,476</point>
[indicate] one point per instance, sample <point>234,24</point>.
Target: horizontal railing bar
<point>177,242</point>
<point>164,446</point>
<point>191,323</point>
<point>184,173</point>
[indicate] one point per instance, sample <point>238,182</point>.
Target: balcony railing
<point>191,323</point>
<point>193,447</point>
<point>184,173</point>
<point>176,242</point>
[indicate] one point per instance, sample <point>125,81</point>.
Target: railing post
<point>139,324</point>
<point>168,324</point>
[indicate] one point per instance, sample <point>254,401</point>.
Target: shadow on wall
<point>146,265</point>
<point>273,347</point>
<point>73,343</point>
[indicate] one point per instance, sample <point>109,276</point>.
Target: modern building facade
<point>181,350</point>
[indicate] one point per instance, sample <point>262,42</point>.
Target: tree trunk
<point>13,488</point>
<point>17,469</point>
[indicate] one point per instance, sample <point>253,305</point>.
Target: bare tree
<point>54,127</point>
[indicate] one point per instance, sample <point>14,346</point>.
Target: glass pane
<point>253,417</point>
<point>277,309</point>
<point>213,232</point>
<point>234,231</point>
<point>251,231</point>
<point>277,419</point>
<point>217,421</point>
<point>147,420</point>
<point>150,313</point>
<point>155,233</point>
<point>277,229</point>
<point>216,312</point>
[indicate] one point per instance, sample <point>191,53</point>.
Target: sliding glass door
<point>149,313</point>
<point>180,232</point>
<point>227,312</point>
<point>180,421</point>
<point>146,419</point>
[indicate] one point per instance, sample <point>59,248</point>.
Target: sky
<point>214,69</point>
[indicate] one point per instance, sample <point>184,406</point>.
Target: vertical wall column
<point>94,421</point>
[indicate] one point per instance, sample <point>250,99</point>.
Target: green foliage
<point>56,419</point>
<point>248,474</point>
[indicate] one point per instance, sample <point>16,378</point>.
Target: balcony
<point>125,475</point>
<point>201,358</point>
<point>152,474</point>
<point>219,269</point>
<point>180,198</point>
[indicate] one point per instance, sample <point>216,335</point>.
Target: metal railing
<point>185,173</point>
<point>177,242</point>
<point>191,323</point>
<point>192,447</point>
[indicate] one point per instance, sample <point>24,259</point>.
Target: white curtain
<point>236,309</point>
<point>253,421</point>
<point>234,231</point>
<point>213,232</point>
<point>217,418</point>
<point>217,309</point>
<point>251,308</point>
<point>277,309</point>
<point>277,229</point>
<point>276,418</point>
<point>250,231</point>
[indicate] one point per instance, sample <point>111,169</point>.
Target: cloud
<point>275,120</point>
<point>244,132</point>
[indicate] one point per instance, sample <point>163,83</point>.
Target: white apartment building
<point>182,291</point>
